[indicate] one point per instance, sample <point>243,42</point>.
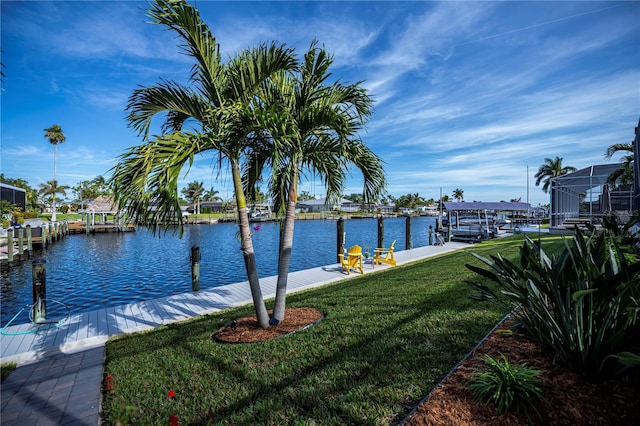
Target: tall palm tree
<point>194,192</point>
<point>622,176</point>
<point>313,128</point>
<point>458,194</point>
<point>551,169</point>
<point>220,100</point>
<point>55,136</point>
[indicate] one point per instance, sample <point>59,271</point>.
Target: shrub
<point>581,306</point>
<point>6,369</point>
<point>508,386</point>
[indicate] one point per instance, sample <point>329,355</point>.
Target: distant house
<point>322,205</point>
<point>14,195</point>
<point>209,206</point>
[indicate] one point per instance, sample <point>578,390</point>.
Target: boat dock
<point>18,242</point>
<point>27,343</point>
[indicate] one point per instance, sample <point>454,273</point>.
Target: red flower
<point>108,379</point>
<point>109,386</point>
<point>174,421</point>
<point>171,393</point>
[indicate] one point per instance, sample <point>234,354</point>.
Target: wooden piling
<point>39,273</point>
<point>195,268</point>
<point>44,237</point>
<point>407,245</point>
<point>10,246</point>
<point>20,243</point>
<point>380,231</point>
<point>340,238</point>
<point>29,241</point>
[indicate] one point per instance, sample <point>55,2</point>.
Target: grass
<point>387,339</point>
<point>6,368</point>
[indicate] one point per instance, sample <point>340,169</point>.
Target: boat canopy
<point>479,205</point>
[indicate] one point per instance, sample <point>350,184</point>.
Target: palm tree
<point>623,176</point>
<point>211,195</point>
<point>551,169</point>
<point>49,190</point>
<point>55,136</point>
<point>221,102</point>
<point>313,128</point>
<point>458,194</point>
<point>194,192</point>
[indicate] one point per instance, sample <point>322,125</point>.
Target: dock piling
<point>29,241</point>
<point>20,243</point>
<point>380,231</point>
<point>39,272</point>
<point>195,268</point>
<point>340,238</point>
<point>10,245</point>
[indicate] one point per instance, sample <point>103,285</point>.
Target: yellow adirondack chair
<point>353,259</point>
<point>384,255</point>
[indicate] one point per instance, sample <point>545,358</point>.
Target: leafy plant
<point>581,306</point>
<point>508,386</point>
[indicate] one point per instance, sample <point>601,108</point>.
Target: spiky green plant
<point>511,387</point>
<point>582,306</point>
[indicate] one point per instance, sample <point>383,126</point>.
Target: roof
<point>487,206</point>
<point>322,202</point>
<point>102,204</point>
<point>585,179</point>
<point>15,188</point>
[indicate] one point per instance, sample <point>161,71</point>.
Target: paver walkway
<point>60,369</point>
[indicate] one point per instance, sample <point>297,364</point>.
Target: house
<point>14,195</point>
<point>322,205</point>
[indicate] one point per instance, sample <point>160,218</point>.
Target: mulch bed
<point>247,330</point>
<point>570,400</point>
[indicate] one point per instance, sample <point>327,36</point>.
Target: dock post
<point>20,243</point>
<point>87,224</point>
<point>43,235</point>
<point>29,242</point>
<point>50,230</point>
<point>39,272</point>
<point>10,246</point>
<point>380,232</point>
<point>340,238</point>
<point>195,268</point>
<point>407,245</point>
<point>430,235</point>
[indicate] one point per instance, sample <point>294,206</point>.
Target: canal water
<point>88,272</point>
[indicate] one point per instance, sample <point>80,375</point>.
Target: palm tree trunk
<point>247,248</point>
<point>55,182</point>
<point>284,254</point>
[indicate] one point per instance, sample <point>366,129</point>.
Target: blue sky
<point>468,94</point>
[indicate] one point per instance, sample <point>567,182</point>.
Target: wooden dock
<point>82,227</point>
<point>25,343</point>
<point>18,243</point>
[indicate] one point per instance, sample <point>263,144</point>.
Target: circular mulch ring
<point>247,330</point>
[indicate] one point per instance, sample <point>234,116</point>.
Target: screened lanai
<point>582,194</point>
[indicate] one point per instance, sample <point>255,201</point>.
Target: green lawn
<point>387,339</point>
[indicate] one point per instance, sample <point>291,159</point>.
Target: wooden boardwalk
<point>28,343</point>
